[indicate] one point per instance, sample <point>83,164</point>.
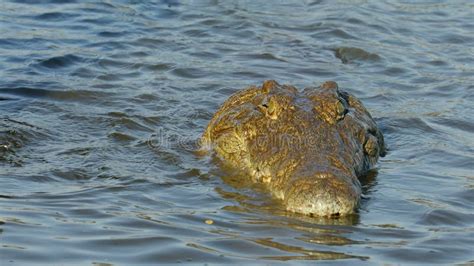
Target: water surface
<point>101,103</point>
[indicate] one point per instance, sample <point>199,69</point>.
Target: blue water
<point>101,103</point>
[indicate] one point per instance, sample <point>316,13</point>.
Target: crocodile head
<point>308,148</point>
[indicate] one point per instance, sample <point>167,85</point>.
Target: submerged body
<point>308,147</point>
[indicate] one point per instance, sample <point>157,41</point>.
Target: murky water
<point>101,102</point>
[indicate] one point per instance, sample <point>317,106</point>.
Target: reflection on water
<point>101,104</point>
<point>306,254</point>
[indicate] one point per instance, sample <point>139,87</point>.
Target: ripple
<point>197,33</point>
<point>55,16</point>
<point>60,61</point>
<point>84,73</point>
<point>191,73</point>
<point>42,2</point>
<point>151,43</point>
<point>131,123</point>
<point>413,125</point>
<point>350,54</point>
<point>337,33</point>
<point>206,55</point>
<point>447,217</point>
<point>14,135</point>
<point>74,174</point>
<point>112,34</point>
<point>117,64</point>
<point>121,137</point>
<point>71,95</point>
<point>262,56</point>
<point>453,123</point>
<point>10,141</point>
<point>394,71</point>
<point>438,63</point>
<point>5,98</point>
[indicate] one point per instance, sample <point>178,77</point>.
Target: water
<point>101,103</point>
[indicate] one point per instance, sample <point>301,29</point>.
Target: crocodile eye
<point>371,146</point>
<point>270,108</point>
<point>330,110</point>
<point>341,110</point>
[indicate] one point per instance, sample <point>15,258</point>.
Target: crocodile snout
<point>323,194</point>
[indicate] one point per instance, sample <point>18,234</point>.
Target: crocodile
<point>308,148</point>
